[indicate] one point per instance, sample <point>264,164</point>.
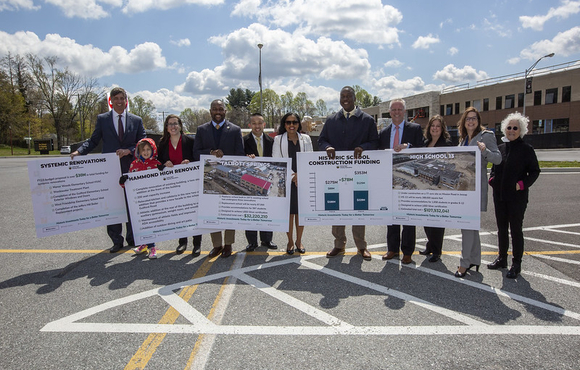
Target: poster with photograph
<point>78,194</point>
<point>438,187</point>
<point>344,190</point>
<point>242,193</point>
<point>164,204</point>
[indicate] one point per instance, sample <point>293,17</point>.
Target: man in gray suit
<point>219,137</point>
<point>120,132</point>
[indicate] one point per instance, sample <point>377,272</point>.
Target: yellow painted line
<point>73,251</point>
<point>149,346</point>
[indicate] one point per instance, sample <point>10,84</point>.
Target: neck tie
<point>396,141</point>
<point>347,115</point>
<point>120,128</point>
<point>259,144</point>
<point>217,127</point>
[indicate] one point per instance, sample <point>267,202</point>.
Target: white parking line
<point>558,259</point>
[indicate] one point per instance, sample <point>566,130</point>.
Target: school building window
<point>485,104</point>
<point>551,96</point>
<point>520,100</point>
<point>538,97</point>
<point>467,104</point>
<point>566,94</point>
<point>498,103</point>
<point>456,108</point>
<point>449,109</point>
<point>509,101</point>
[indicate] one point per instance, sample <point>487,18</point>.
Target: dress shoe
<point>473,265</point>
<point>215,252</point>
<point>390,255</point>
<point>180,248</point>
<point>227,251</point>
<point>499,263</point>
<point>460,274</point>
<point>426,252</point>
<point>435,258</point>
<point>514,271</point>
<point>290,248</point>
<point>406,259</point>
<point>269,245</point>
<point>196,250</point>
<point>300,248</point>
<point>366,255</point>
<point>251,247</point>
<point>115,248</point>
<point>334,252</point>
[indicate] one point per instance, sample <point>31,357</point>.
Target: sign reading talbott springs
<point>70,195</point>
<point>244,193</point>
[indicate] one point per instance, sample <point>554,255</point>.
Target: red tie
<point>396,141</point>
<point>120,128</point>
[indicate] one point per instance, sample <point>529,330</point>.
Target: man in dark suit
<point>349,129</point>
<point>120,132</point>
<point>258,144</point>
<point>400,135</point>
<point>219,137</point>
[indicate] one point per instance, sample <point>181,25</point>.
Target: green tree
<point>287,102</point>
<point>193,118</point>
<point>321,109</point>
<point>302,105</point>
<point>271,106</point>
<point>146,110</point>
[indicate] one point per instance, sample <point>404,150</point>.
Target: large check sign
<point>344,190</point>
<point>438,187</point>
<point>244,193</point>
<point>164,204</point>
<point>70,195</point>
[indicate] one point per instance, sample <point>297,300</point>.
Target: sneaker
<point>153,253</point>
<point>140,249</point>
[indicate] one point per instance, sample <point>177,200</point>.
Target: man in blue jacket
<point>120,132</point>
<point>349,129</point>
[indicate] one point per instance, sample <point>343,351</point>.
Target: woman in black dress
<point>287,143</point>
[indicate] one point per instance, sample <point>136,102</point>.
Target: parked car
<point>65,149</point>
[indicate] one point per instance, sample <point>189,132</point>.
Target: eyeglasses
<point>292,122</point>
<point>471,118</point>
<point>515,128</point>
<point>173,124</point>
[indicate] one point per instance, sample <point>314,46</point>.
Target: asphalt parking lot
<point>67,303</point>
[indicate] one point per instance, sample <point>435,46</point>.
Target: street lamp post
<point>526,78</point>
<point>260,78</point>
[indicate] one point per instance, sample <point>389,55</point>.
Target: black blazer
<point>231,142</point>
<point>440,142</point>
<point>250,146</point>
<point>186,149</point>
<point>412,134</point>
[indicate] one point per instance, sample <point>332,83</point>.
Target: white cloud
<point>17,4</point>
<point>515,60</point>
<point>562,12</point>
<point>88,9</point>
<point>393,63</point>
<point>447,21</point>
<point>452,74</point>
<point>302,58</point>
<point>84,59</point>
<point>365,21</point>
<point>166,100</point>
<point>563,44</point>
<point>181,42</point>
<point>390,87</point>
<point>140,6</point>
<point>452,51</point>
<point>425,42</point>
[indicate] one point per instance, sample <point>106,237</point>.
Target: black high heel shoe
<point>290,251</point>
<point>460,274</point>
<point>473,265</point>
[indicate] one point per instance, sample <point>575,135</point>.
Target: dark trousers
<point>252,236</point>
<point>406,243</point>
<point>434,239</point>
<point>196,241</point>
<point>116,231</point>
<point>510,214</point>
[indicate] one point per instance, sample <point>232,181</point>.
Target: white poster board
<point>70,195</point>
<point>241,193</point>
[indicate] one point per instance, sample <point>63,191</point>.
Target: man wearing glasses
<point>349,129</point>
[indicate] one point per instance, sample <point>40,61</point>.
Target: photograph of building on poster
<point>434,171</point>
<point>252,178</point>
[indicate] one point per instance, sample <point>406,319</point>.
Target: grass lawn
<point>6,152</point>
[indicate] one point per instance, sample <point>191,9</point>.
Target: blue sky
<point>185,53</point>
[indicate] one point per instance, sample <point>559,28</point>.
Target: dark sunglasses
<point>515,128</point>
<point>292,122</point>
